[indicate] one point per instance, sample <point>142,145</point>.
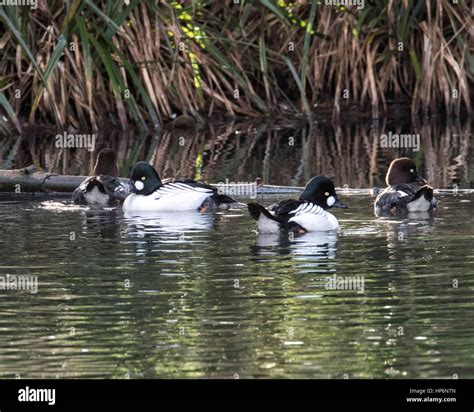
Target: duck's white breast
<point>96,197</point>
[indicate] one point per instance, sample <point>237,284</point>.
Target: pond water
<point>201,295</point>
<point>204,296</point>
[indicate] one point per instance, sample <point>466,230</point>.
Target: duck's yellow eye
<point>326,194</point>
<point>143,178</point>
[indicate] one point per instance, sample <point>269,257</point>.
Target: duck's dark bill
<point>131,187</point>
<point>338,203</point>
<point>420,179</point>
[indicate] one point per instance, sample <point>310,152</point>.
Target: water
<point>194,296</point>
<point>350,154</point>
<point>204,296</point>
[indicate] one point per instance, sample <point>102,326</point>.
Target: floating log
<point>29,179</point>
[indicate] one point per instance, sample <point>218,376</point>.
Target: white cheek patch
<point>139,185</point>
<point>331,200</point>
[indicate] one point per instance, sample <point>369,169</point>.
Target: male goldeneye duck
<point>149,193</point>
<point>406,191</point>
<point>104,188</point>
<point>307,214</point>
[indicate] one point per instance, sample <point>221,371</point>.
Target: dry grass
<point>107,63</point>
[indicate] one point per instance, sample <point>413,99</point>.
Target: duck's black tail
<point>256,210</point>
<point>226,202</point>
<point>95,182</point>
<point>109,189</point>
<point>218,198</point>
<point>266,222</point>
<point>426,191</point>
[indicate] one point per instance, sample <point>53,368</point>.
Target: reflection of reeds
<point>351,154</point>
<point>451,144</point>
<point>83,63</point>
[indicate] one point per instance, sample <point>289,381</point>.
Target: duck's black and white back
<point>411,197</point>
<point>306,214</point>
<point>407,191</point>
<point>149,193</point>
<point>101,190</point>
<point>104,188</point>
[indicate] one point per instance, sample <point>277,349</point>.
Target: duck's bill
<point>131,186</point>
<point>420,179</point>
<point>339,204</point>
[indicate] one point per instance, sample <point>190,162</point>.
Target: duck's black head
<point>321,191</point>
<point>106,163</point>
<point>403,170</point>
<point>144,179</point>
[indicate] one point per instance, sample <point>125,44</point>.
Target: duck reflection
<point>405,231</point>
<point>315,245</point>
<point>271,244</point>
<point>310,247</point>
<point>104,221</point>
<point>420,216</point>
<point>143,223</point>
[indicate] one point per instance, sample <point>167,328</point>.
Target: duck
<point>149,193</point>
<point>308,213</point>
<point>406,191</point>
<point>104,188</point>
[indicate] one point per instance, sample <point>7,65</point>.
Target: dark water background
<point>281,153</point>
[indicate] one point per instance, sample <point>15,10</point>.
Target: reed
<point>87,64</point>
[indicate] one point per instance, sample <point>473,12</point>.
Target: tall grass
<point>85,63</point>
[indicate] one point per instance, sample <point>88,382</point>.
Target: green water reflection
<point>203,296</point>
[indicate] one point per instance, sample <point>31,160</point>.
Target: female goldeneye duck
<point>149,193</point>
<point>406,191</point>
<point>307,214</point>
<point>104,188</point>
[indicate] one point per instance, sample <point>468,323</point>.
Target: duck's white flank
<point>266,225</point>
<point>314,218</point>
<point>419,205</point>
<point>173,196</point>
